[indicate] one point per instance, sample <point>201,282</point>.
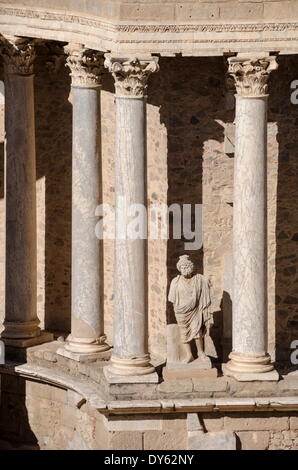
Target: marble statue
<point>190,295</point>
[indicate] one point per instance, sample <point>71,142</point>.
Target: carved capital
<point>131,74</point>
<point>251,74</point>
<point>19,55</point>
<point>86,66</point>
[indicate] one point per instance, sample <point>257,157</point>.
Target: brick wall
<point>37,416</point>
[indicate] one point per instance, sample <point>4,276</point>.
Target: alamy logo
<point>294,94</point>
<point>294,355</point>
<point>135,222</point>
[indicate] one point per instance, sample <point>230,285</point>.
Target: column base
<point>44,337</point>
<point>84,346</point>
<point>245,368</point>
<point>87,357</point>
<point>131,366</point>
<point>112,378</point>
<point>21,330</point>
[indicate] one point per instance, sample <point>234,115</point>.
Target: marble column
<point>21,323</point>
<point>249,359</point>
<point>130,354</point>
<point>87,328</point>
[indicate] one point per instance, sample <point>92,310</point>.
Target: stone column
<point>21,323</point>
<point>249,358</point>
<point>87,329</point>
<point>130,355</point>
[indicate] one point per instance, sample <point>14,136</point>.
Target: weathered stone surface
<point>293,422</point>
<point>213,422</point>
<point>194,423</point>
<point>172,386</point>
<point>75,399</point>
<point>224,440</point>
<point>77,443</point>
<point>134,423</point>
<point>210,385</point>
<point>257,422</point>
<point>124,440</point>
<point>262,389</point>
<point>254,440</point>
<point>175,373</point>
<point>285,440</point>
<point>290,383</point>
<point>158,440</point>
<point>174,423</point>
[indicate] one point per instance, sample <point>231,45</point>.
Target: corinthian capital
<point>131,74</point>
<point>86,66</point>
<point>251,74</point>
<point>18,54</point>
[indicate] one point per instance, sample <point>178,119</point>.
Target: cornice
<point>165,38</point>
<point>146,28</point>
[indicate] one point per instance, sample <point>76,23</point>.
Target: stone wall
<point>187,120</point>
<point>39,416</point>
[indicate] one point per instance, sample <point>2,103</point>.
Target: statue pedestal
<point>196,368</point>
<point>176,368</point>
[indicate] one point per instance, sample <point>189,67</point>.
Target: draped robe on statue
<point>191,300</point>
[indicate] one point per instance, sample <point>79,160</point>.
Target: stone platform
<point>91,413</point>
<point>168,388</point>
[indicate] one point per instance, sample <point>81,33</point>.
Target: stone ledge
<point>89,392</point>
<point>168,392</point>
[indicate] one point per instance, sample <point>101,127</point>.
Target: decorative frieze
<point>251,74</point>
<point>131,74</point>
<point>86,66</point>
<point>19,55</point>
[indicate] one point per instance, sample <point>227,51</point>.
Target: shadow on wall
<point>1,170</point>
<point>2,224</point>
<point>282,111</point>
<point>15,430</point>
<point>190,94</point>
<point>54,159</point>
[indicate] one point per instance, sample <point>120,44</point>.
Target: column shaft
<point>87,322</point>
<point>249,356</point>
<point>130,313</point>
<point>249,233</point>
<point>21,265</point>
<point>130,355</point>
<point>87,319</point>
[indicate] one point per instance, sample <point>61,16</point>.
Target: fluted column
<point>21,323</point>
<point>87,326</point>
<point>249,358</point>
<point>130,355</point>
